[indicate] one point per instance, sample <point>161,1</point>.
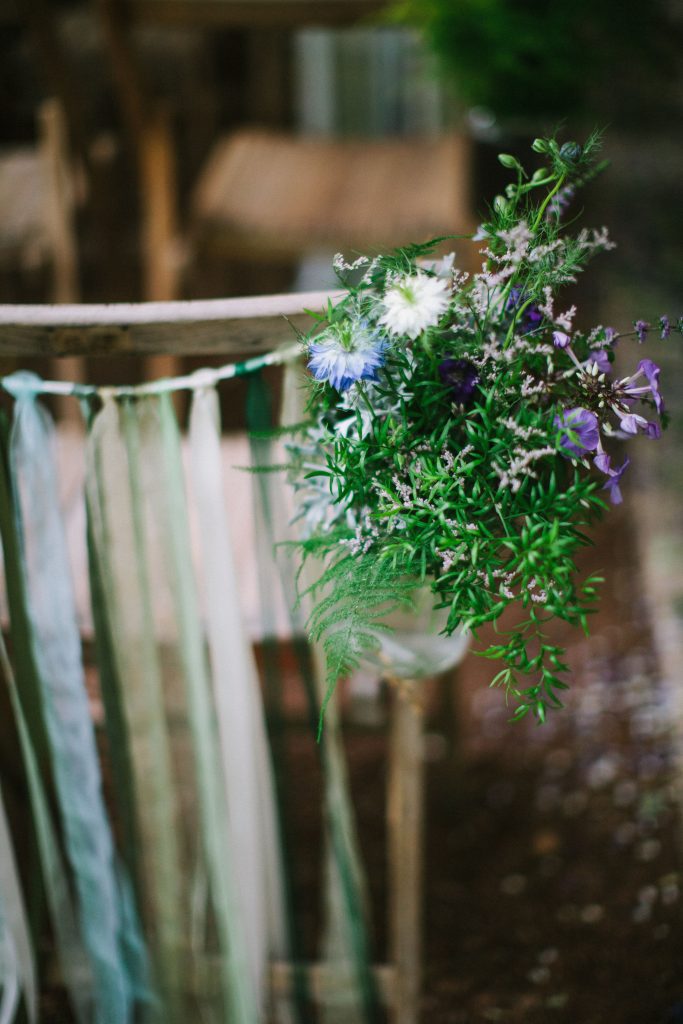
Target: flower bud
<point>570,152</point>
<point>539,146</point>
<point>507,160</point>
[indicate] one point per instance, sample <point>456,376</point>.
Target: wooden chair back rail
<point>227,327</point>
<point>213,327</point>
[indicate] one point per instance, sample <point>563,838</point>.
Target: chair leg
<point>405,821</point>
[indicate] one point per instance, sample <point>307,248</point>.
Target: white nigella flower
<point>413,303</point>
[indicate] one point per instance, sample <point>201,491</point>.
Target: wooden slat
<point>204,327</point>
<point>253,13</point>
<point>405,814</point>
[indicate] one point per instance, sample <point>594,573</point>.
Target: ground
<point>551,862</point>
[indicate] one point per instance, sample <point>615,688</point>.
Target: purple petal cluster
<point>603,463</point>
<point>561,339</point>
<point>460,377</point>
<point>631,388</point>
<point>642,327</point>
<point>599,358</point>
<point>579,432</point>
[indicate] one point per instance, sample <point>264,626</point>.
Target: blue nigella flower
<point>347,352</point>
<point>580,431</point>
<point>460,377</point>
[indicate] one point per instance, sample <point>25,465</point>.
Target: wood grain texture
<point>205,327</point>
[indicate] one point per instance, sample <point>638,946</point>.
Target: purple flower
<point>610,335</point>
<point>461,378</point>
<point>560,339</point>
<point>633,424</point>
<point>345,353</point>
<point>531,317</point>
<point>665,327</point>
<point>642,327</point>
<point>599,358</point>
<point>580,431</point>
<point>652,371</point>
<point>630,388</point>
<point>602,461</point>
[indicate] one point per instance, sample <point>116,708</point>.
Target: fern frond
<point>354,596</point>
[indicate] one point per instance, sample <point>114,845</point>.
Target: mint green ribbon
<point>124,615</point>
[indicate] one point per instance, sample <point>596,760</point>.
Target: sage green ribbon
<point>9,972</point>
<point>119,537</point>
<point>346,944</point>
<point>165,493</point>
<point>73,961</point>
<point>75,763</point>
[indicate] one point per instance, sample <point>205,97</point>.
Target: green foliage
<point>416,476</point>
<point>352,598</point>
<point>542,60</point>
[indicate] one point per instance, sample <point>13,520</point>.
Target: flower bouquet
<point>463,432</point>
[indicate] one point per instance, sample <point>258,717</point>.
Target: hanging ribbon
<point>67,714</point>
<point>72,959</point>
<point>118,545</point>
<point>24,690</point>
<point>14,924</point>
<point>162,476</point>
<point>346,945</point>
<point>254,841</point>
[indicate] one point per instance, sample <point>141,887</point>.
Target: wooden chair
<point>253,325</point>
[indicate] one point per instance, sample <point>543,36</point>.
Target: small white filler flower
<point>413,303</point>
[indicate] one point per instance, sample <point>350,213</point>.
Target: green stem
<point>544,204</point>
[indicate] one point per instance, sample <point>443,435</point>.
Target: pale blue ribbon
<point>108,921</point>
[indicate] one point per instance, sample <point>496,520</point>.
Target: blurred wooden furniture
<point>274,196</point>
<point>38,197</point>
<point>252,13</point>
<point>37,206</point>
<point>278,195</point>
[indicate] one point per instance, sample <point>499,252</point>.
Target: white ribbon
<point>254,840</point>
